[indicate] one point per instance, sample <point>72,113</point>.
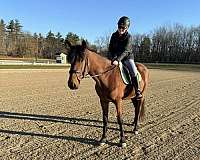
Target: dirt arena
<point>40,118</point>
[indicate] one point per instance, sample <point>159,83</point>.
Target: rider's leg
<point>133,72</point>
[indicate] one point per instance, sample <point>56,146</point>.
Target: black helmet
<point>124,21</point>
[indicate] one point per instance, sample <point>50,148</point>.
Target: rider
<point>120,49</point>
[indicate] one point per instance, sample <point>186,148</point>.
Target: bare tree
<point>102,44</point>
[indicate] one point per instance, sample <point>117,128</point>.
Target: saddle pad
<point>125,74</point>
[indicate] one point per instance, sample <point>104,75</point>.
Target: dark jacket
<point>120,48</point>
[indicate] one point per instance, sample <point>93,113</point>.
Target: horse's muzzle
<point>72,85</point>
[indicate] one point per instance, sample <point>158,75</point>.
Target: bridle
<point>84,71</point>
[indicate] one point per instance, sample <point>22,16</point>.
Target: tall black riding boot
<point>136,86</point>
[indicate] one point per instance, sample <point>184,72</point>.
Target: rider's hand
<point>115,62</point>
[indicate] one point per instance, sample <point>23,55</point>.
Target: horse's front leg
<point>105,107</point>
<point>120,122</point>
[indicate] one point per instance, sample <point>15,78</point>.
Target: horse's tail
<point>145,77</point>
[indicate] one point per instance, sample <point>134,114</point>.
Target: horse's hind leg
<point>137,104</point>
<point>105,107</point>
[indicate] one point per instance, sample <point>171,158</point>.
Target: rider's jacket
<point>120,47</point>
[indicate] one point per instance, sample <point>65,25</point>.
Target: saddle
<point>126,75</point>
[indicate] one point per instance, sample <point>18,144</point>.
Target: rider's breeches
<point>131,67</point>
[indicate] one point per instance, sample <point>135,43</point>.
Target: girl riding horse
<point>109,84</point>
<point>120,49</point>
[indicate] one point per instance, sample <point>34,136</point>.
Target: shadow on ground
<point>55,119</point>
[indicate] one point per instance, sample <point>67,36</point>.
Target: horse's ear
<point>84,44</point>
<point>68,43</point>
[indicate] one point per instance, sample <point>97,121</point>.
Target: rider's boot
<point>136,86</point>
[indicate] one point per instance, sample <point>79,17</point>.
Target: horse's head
<point>78,60</point>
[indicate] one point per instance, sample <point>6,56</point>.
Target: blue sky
<point>91,19</point>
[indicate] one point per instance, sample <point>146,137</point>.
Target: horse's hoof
<point>123,145</point>
<point>136,132</point>
<point>102,143</point>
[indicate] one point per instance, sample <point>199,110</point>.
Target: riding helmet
<point>124,21</point>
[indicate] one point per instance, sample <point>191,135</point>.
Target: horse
<point>109,84</point>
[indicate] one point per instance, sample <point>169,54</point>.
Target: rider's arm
<point>110,48</point>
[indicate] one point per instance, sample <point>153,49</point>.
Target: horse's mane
<point>80,54</point>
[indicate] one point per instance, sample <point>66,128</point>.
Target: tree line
<point>168,43</point>
<point>17,43</point>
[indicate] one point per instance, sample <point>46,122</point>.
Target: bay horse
<point>109,84</point>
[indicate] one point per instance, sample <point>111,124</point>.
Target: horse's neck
<point>97,63</point>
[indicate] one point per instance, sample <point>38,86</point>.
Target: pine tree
<point>72,38</point>
<point>11,26</point>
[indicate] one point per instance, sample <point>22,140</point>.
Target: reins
<point>100,74</point>
<point>84,71</point>
<point>82,75</point>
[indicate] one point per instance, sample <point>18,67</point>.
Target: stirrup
<point>138,95</point>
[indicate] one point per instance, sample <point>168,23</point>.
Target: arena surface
<point>40,118</point>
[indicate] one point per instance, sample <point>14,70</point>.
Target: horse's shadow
<point>55,119</point>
